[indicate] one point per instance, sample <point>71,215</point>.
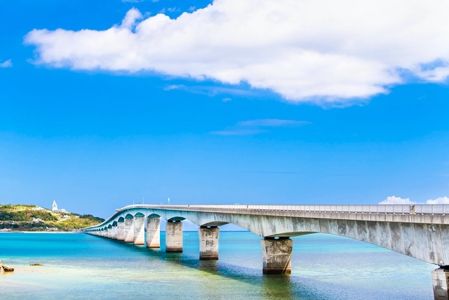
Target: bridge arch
<point>214,223</point>
<point>176,219</point>
<point>139,215</point>
<point>153,215</point>
<point>414,240</point>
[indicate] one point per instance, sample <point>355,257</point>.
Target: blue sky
<point>96,139</point>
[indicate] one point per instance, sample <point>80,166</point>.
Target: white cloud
<point>270,123</point>
<point>252,127</point>
<point>131,18</point>
<point>305,50</point>
<point>6,64</point>
<point>399,200</point>
<point>396,200</point>
<point>439,200</point>
<point>211,90</point>
<point>237,131</point>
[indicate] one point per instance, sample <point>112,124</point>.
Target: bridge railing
<point>370,209</point>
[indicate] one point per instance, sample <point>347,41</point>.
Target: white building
<point>54,208</point>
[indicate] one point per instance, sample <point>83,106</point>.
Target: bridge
<point>419,231</point>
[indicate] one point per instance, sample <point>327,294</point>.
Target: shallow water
<point>79,266</point>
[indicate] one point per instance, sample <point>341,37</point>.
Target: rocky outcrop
<point>6,269</point>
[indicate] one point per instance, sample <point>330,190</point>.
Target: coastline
<point>40,232</point>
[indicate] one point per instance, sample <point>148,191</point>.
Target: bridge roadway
<point>419,231</point>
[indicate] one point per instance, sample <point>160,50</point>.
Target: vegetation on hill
<point>35,218</point>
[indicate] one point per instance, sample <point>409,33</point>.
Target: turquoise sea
<point>80,266</point>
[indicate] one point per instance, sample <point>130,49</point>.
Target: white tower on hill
<point>54,206</point>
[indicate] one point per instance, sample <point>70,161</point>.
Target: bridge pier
<point>173,236</point>
<point>121,230</point>
<point>440,280</point>
<point>153,232</point>
<point>277,254</point>
<point>209,242</point>
<point>139,230</point>
<point>114,232</point>
<point>129,230</point>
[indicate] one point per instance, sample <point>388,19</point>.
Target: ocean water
<point>80,266</point>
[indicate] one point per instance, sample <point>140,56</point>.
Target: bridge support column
<point>121,231</point>
<point>209,242</point>
<point>129,230</point>
<point>139,230</point>
<point>173,236</point>
<point>277,254</point>
<point>440,279</point>
<point>114,232</point>
<point>153,235</point>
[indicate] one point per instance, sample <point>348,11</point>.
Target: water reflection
<point>277,287</point>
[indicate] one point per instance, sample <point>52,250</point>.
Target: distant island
<point>35,218</point>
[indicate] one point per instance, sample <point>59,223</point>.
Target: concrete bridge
<point>419,231</point>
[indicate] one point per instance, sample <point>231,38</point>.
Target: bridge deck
<point>420,213</point>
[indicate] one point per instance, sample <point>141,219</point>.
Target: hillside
<point>35,218</point>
